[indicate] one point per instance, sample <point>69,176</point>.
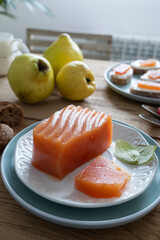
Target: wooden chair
<point>92,45</point>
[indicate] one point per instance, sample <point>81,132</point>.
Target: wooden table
<point>17,223</point>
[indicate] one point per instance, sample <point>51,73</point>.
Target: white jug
<point>10,47</point>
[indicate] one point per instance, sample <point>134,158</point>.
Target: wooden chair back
<point>93,46</point>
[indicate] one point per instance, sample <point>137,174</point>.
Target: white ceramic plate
<point>86,218</point>
<point>125,90</point>
<point>63,192</point>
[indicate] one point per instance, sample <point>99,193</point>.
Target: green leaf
<point>13,5</point>
<point>125,152</point>
<point>7,14</point>
<point>38,4</point>
<point>146,153</point>
<point>43,8</point>
<point>29,6</point>
<point>134,154</point>
<point>5,6</point>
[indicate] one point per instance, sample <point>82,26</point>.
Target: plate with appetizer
<point>138,80</point>
<point>84,218</point>
<point>81,158</point>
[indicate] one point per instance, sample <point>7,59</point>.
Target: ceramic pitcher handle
<point>21,46</point>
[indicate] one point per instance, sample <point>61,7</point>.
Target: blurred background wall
<point>116,17</point>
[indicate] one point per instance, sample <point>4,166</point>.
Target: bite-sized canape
<point>70,138</point>
<point>151,75</point>
<point>102,178</point>
<point>121,74</point>
<point>145,88</point>
<point>142,66</point>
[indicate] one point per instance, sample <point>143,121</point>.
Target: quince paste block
<point>102,178</point>
<point>70,138</point>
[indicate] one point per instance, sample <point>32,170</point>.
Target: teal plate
<point>105,217</point>
<point>125,90</point>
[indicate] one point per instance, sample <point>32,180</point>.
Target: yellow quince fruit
<point>62,51</point>
<point>75,81</point>
<point>31,78</point>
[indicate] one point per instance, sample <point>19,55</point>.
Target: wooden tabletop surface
<point>16,223</point>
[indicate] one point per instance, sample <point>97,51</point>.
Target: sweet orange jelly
<point>102,178</point>
<point>70,138</point>
<point>148,63</point>
<point>155,75</point>
<point>149,85</point>
<point>122,69</point>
